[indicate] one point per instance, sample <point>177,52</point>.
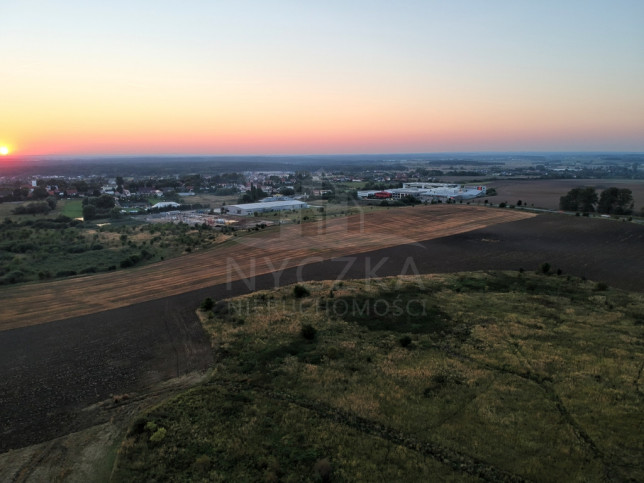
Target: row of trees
<point>614,201</point>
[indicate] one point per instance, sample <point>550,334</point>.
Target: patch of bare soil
<point>51,372</point>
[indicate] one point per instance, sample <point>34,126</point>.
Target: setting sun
<point>4,150</point>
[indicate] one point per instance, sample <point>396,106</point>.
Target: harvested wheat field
<point>276,249</point>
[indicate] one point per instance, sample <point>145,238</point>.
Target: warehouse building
<point>428,192</point>
<point>247,209</point>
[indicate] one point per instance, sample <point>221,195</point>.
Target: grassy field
<point>71,208</point>
<point>503,376</point>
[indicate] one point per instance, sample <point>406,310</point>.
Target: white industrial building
<point>426,191</point>
<point>165,204</point>
<point>265,206</point>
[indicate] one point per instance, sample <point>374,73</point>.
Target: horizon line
<point>290,155</point>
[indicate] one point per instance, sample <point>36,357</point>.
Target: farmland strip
<point>252,255</point>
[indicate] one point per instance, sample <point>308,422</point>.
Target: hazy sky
<point>298,77</point>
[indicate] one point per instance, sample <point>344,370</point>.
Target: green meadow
<point>72,208</point>
<point>504,376</point>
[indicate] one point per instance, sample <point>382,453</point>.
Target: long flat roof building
<point>265,206</point>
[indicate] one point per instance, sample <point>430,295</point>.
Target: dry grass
<point>532,377</point>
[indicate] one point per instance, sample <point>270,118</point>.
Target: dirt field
<point>51,372</point>
<point>544,193</point>
<point>275,249</point>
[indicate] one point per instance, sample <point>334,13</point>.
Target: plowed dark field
<point>545,193</point>
<point>49,372</point>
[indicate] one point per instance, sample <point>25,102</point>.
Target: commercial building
<point>247,209</point>
<point>428,191</point>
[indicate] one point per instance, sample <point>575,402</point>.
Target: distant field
<point>546,193</point>
<point>6,209</point>
<point>273,249</point>
<point>497,376</point>
<point>71,208</point>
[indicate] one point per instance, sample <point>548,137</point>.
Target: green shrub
<point>130,261</point>
<point>65,273</point>
<point>207,304</point>
<point>323,470</point>
<point>158,435</point>
<point>308,332</point>
<point>299,291</point>
<point>601,287</point>
<point>405,341</point>
<point>203,463</point>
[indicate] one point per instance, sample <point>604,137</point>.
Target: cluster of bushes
<point>103,206</point>
<point>135,259</point>
<point>37,207</point>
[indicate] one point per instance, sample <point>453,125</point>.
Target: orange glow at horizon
<point>322,78</point>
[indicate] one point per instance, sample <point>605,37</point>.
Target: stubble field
<point>276,249</point>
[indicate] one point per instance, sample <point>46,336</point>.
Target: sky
<point>192,77</point>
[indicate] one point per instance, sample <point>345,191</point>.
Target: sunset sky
<point>87,77</point>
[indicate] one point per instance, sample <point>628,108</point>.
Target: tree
<point>579,199</point>
<point>308,331</point>
<point>207,304</point>
<point>105,202</point>
<point>89,212</point>
<point>51,201</point>
<point>253,195</point>
<point>39,193</point>
<point>616,201</point>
